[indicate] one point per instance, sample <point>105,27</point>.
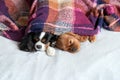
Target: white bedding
<point>95,61</point>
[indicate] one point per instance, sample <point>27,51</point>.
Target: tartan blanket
<point>60,16</point>
<point>9,11</point>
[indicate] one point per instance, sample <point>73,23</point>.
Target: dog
<point>41,20</point>
<point>39,41</point>
<point>46,41</point>
<point>71,42</point>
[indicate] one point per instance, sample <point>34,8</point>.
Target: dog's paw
<point>92,38</point>
<point>50,51</point>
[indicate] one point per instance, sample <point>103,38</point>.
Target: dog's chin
<point>68,43</point>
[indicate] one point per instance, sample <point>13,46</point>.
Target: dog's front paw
<point>92,38</point>
<point>50,51</point>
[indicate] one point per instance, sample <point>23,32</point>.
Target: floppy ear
<point>79,37</point>
<point>73,34</point>
<point>26,43</point>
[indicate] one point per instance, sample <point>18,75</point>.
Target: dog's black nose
<point>39,46</point>
<point>73,49</point>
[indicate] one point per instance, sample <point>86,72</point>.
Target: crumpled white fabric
<point>95,61</point>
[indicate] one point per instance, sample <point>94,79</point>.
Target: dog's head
<point>68,42</point>
<point>37,41</point>
<point>45,39</point>
<point>71,42</point>
<point>39,44</point>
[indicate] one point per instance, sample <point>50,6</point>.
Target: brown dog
<point>71,42</point>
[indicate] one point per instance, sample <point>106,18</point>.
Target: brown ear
<point>79,37</point>
<point>71,34</point>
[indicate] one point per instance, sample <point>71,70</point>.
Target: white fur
<point>40,43</point>
<point>42,35</point>
<point>50,51</point>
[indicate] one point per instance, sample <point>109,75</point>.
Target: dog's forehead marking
<point>42,35</point>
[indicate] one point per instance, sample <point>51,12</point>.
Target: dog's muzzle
<point>39,46</point>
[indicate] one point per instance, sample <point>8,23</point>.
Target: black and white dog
<point>39,41</point>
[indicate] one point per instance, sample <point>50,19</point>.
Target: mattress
<point>95,61</point>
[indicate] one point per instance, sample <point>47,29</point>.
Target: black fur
<point>28,42</point>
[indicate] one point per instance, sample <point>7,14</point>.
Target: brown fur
<point>71,42</point>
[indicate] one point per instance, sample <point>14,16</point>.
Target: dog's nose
<point>73,49</point>
<point>39,46</point>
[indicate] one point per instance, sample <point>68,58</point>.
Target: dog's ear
<point>79,37</point>
<point>26,43</point>
<point>71,33</point>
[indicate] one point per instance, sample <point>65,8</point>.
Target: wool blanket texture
<point>60,16</point>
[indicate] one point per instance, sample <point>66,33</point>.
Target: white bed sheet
<point>95,61</point>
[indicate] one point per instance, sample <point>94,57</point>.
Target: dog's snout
<point>39,46</point>
<point>73,49</point>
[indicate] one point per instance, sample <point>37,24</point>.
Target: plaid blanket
<point>60,16</point>
<point>9,12</point>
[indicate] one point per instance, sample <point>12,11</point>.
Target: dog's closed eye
<point>43,40</point>
<point>36,39</point>
<point>70,42</point>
